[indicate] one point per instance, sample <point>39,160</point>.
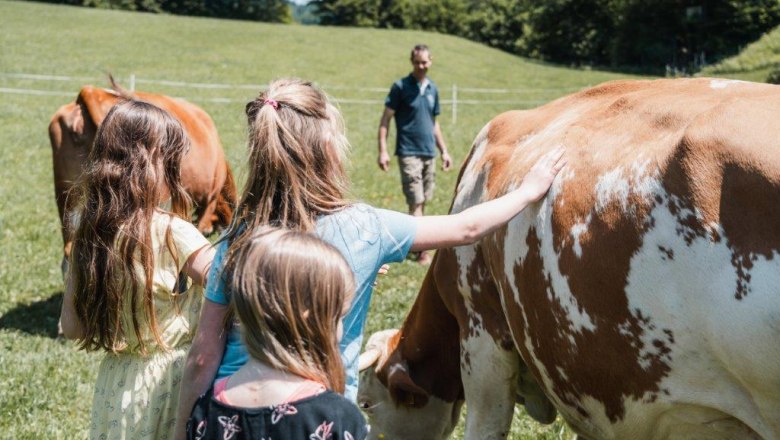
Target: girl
<point>297,180</point>
<point>290,291</point>
<point>125,294</point>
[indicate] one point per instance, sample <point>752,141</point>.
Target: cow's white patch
<point>620,183</point>
<point>721,359</point>
<point>577,230</point>
<point>470,190</point>
<point>723,83</point>
<point>489,376</point>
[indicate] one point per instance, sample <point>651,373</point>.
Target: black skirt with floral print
<point>324,416</point>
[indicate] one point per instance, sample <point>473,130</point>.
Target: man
<point>414,102</point>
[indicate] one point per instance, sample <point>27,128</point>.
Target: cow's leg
<point>205,214</point>
<point>490,378</point>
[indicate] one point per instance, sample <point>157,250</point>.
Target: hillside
<point>50,51</point>
<point>754,63</point>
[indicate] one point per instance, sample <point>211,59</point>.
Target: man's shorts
<point>417,178</point>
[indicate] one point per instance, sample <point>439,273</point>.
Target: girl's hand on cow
<point>539,179</point>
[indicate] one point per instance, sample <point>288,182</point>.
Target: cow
<point>205,173</point>
<point>640,299</point>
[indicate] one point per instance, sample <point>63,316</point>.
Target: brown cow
<point>641,295</point>
<point>206,174</point>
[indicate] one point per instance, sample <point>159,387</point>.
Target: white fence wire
<point>455,97</point>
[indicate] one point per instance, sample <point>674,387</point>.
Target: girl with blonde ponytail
<point>297,180</point>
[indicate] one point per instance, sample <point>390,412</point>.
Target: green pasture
<point>754,63</point>
<point>48,52</point>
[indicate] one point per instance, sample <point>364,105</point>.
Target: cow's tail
<point>119,90</point>
<point>226,200</point>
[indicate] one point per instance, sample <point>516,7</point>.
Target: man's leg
<point>412,184</point>
<point>428,184</point>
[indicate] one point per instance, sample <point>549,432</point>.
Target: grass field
<point>45,384</point>
<point>754,63</point>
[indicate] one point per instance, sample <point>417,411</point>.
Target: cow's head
<point>396,406</point>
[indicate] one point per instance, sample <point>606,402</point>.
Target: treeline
<point>645,35</point>
<point>648,35</point>
<point>275,11</point>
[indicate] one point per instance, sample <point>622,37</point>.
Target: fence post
<point>454,104</point>
<point>132,82</point>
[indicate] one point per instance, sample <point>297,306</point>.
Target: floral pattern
<point>284,409</point>
<point>229,426</point>
<point>323,432</point>
<point>325,416</point>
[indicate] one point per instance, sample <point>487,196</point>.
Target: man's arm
<point>203,361</point>
<point>446,160</point>
<point>384,158</point>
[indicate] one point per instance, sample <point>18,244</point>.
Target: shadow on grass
<point>39,318</point>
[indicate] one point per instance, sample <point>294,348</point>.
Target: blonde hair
<point>297,150</point>
<point>133,165</point>
<point>288,289</point>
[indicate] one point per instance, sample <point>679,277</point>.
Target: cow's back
<point>206,147</point>
<point>642,292</point>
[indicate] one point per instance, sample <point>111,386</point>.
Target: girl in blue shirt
<point>297,180</point>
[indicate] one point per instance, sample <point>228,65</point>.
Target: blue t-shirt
<point>415,116</point>
<point>367,238</point>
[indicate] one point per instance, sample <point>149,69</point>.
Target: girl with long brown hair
<point>290,291</point>
<point>297,179</point>
<point>136,271</point>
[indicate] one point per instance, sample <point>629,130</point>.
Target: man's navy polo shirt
<point>415,115</point>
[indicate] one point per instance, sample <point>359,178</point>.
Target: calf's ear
<point>368,358</point>
<point>402,388</point>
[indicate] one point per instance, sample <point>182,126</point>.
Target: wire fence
<point>457,96</point>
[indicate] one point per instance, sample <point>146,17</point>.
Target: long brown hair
<point>289,289</point>
<point>297,149</point>
<point>134,165</point>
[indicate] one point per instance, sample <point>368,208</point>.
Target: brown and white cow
<point>642,295</point>
<point>206,174</point>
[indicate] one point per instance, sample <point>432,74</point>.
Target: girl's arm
<point>72,328</point>
<point>197,266</point>
<point>469,225</point>
<point>203,361</point>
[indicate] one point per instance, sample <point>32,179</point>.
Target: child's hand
<point>382,271</point>
<point>540,177</point>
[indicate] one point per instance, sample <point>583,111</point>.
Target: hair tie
<point>272,102</point>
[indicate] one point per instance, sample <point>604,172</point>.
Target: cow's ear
<point>74,121</point>
<point>95,104</point>
<point>402,388</point>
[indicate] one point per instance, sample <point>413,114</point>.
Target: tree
<point>363,13</point>
<point>275,11</point>
<point>497,23</point>
<point>568,31</point>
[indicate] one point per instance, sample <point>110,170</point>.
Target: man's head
<point>421,60</point>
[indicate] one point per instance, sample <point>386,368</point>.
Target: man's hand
<point>446,161</point>
<point>384,161</point>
